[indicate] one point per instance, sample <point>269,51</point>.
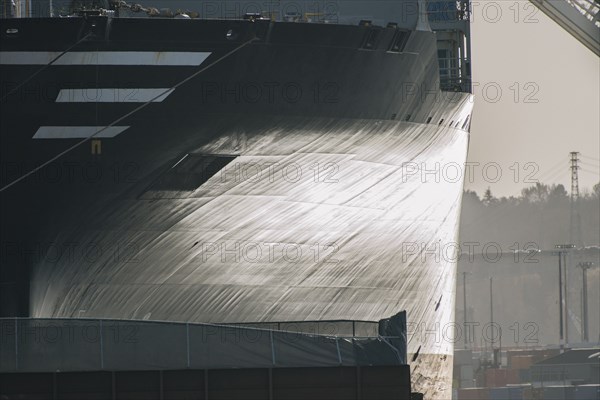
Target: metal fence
<point>42,345</point>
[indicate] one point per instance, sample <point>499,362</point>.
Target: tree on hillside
<point>541,215</point>
<point>536,194</point>
<point>488,198</point>
<point>557,194</point>
<point>471,195</point>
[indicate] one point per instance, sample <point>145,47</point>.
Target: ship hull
<point>319,210</point>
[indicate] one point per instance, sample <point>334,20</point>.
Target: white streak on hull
<point>77,132</point>
<point>147,58</point>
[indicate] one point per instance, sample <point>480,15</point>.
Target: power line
<point>596,173</point>
<point>556,167</point>
<point>590,164</point>
<point>589,158</point>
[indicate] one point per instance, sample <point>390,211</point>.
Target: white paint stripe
<point>152,58</point>
<point>112,95</point>
<point>77,132</point>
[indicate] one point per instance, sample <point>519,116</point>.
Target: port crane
<point>581,18</point>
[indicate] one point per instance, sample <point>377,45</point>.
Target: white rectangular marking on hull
<point>77,132</point>
<point>112,95</point>
<point>149,58</point>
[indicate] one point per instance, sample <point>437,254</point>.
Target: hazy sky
<point>527,62</point>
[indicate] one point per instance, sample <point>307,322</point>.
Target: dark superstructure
<point>266,168</point>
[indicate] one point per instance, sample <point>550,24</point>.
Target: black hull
<point>277,92</point>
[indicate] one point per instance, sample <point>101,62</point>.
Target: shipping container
<point>587,392</point>
<point>521,362</point>
<point>466,372</point>
<point>465,384</point>
<point>506,393</point>
<point>559,393</point>
<point>473,394</point>
<point>524,375</point>
<point>463,357</point>
<point>501,377</point>
<point>529,393</point>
